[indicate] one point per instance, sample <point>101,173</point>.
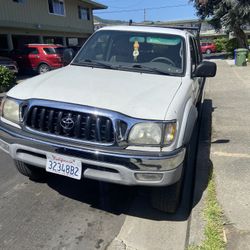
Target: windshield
<point>134,51</point>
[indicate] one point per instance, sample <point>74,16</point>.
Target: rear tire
<point>43,68</point>
<point>34,173</point>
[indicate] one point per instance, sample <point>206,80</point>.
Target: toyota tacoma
<point>122,111</point>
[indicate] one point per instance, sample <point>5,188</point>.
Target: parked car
<point>73,50</point>
<point>123,111</point>
<point>208,47</point>
<point>9,63</point>
<point>39,57</point>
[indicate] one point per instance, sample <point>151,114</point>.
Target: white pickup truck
<point>122,111</point>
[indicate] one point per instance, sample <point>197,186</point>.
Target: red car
<point>39,57</point>
<point>208,47</point>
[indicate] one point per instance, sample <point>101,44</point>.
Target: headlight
<point>152,133</point>
<point>170,131</point>
<point>146,133</point>
<point>10,110</point>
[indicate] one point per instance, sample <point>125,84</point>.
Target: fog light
<point>148,176</point>
<point>4,146</point>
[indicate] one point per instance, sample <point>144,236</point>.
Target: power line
<point>143,9</point>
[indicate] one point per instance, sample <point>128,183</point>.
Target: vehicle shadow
<point>204,166</point>
<point>134,201</point>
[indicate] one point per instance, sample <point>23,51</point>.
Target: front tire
<point>34,173</point>
<point>43,68</point>
<point>167,199</point>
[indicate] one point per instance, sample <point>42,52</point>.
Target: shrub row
<point>7,79</point>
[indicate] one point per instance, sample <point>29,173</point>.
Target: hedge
<point>7,79</point>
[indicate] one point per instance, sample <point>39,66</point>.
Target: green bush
<point>231,46</point>
<point>221,44</point>
<point>7,79</point>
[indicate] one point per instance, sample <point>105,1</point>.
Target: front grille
<point>75,125</point>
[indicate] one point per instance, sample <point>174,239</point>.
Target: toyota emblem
<point>67,123</point>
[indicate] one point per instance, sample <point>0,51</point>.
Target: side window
<point>49,51</point>
<point>98,48</point>
<point>56,7</point>
<point>83,13</point>
<point>193,55</point>
<point>31,51</point>
<point>18,1</point>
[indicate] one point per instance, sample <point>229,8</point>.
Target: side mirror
<point>206,69</point>
<point>68,55</point>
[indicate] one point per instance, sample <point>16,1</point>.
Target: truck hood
<point>140,95</point>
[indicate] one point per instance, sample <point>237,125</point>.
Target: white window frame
<point>19,1</point>
<point>88,12</point>
<point>56,14</point>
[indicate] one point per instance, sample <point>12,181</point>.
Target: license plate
<point>63,165</point>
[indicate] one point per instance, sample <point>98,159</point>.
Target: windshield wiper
<point>95,63</point>
<point>160,71</point>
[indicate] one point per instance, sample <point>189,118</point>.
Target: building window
<point>53,40</point>
<point>83,13</point>
<point>3,42</point>
<point>19,1</point>
<point>56,7</point>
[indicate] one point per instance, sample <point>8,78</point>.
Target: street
<point>59,213</point>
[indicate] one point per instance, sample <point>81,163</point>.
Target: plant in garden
<point>221,44</point>
<point>231,45</point>
<point>7,79</point>
<point>229,14</point>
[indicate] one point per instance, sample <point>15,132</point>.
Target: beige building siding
<point>30,22</point>
<point>34,14</point>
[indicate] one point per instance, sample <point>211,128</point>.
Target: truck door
<point>196,81</point>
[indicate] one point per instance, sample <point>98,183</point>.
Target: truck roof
<point>150,29</point>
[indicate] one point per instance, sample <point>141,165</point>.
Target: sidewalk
<point>229,93</point>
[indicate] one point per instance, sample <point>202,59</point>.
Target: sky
<point>155,10</point>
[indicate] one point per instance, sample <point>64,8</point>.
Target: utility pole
<point>144,15</point>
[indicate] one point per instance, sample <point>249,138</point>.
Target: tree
<point>229,14</point>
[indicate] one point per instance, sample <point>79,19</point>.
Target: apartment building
<point>66,22</point>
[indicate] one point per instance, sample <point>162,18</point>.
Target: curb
<point>202,170</point>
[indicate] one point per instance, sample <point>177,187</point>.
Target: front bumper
<point>114,165</point>
<point>12,67</point>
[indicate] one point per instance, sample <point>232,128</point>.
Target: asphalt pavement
<point>59,213</point>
